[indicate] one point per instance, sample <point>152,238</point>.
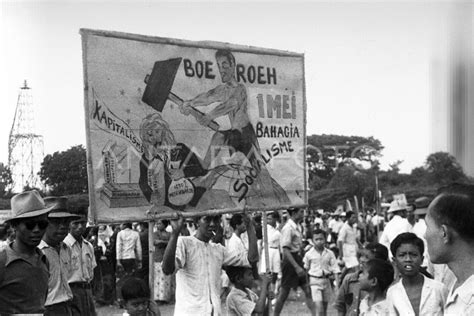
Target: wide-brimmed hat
<point>422,204</point>
<point>28,204</point>
<point>59,210</point>
<point>396,206</point>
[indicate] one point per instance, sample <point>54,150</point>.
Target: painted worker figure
<point>241,137</point>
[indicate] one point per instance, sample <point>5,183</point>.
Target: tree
<point>443,168</point>
<point>65,172</point>
<point>5,179</point>
<point>327,152</point>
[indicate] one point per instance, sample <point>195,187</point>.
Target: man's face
<point>271,220</point>
<point>30,231</point>
<point>208,226</point>
<point>226,69</point>
<point>352,220</point>
<point>58,229</point>
<point>77,228</point>
<point>408,259</point>
<point>298,215</point>
<point>434,237</point>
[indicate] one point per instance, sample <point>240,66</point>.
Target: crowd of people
<point>406,260</point>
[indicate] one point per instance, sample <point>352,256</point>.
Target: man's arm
<point>260,305</point>
<point>298,269</point>
<point>138,247</point>
<point>204,99</point>
<point>118,248</point>
<point>340,241</point>
<point>252,235</point>
<point>168,265</point>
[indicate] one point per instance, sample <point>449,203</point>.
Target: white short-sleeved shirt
<point>393,228</point>
<point>198,282</point>
<point>377,309</point>
<point>460,302</point>
<point>291,236</point>
<point>240,303</point>
<point>433,298</point>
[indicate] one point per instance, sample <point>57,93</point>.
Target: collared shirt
<point>320,264</point>
<point>335,226</point>
<point>241,303</point>
<point>291,236</point>
<point>377,309</point>
<point>348,237</point>
<point>129,245</point>
<point>349,295</point>
<point>433,298</point>
<point>460,302</point>
<point>235,244</point>
<point>82,259</point>
<point>59,271</point>
<point>23,282</point>
<point>393,228</point>
<point>198,282</point>
<point>274,237</point>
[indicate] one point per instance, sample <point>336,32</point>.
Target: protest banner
<point>197,127</point>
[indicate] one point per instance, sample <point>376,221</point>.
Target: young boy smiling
<point>414,294</point>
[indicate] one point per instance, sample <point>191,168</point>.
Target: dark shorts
<point>289,277</point>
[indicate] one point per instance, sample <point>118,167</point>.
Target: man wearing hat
<point>58,301</point>
<point>23,267</point>
<point>83,264</point>
<point>397,225</point>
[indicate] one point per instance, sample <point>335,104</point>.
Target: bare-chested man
<point>232,96</point>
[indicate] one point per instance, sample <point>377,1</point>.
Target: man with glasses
<point>58,301</point>
<point>83,264</point>
<point>199,263</point>
<point>23,267</point>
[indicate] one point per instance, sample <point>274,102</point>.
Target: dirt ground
<point>294,306</point>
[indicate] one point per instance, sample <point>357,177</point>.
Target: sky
<point>367,63</point>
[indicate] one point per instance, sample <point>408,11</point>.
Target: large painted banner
<point>197,127</point>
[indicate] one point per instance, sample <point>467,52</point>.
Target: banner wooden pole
<point>151,262</point>
<point>267,256</point>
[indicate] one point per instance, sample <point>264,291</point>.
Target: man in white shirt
<point>450,239</point>
<point>199,263</point>
<point>82,266</point>
<point>348,242</point>
<point>58,301</point>
<point>397,225</point>
<point>236,242</point>
<point>129,249</point>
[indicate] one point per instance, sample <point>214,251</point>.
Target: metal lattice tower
<point>25,145</point>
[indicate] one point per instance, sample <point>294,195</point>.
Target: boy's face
<point>247,278</point>
<point>137,306</point>
<point>408,259</point>
<point>365,256</point>
<point>318,241</point>
<point>366,283</point>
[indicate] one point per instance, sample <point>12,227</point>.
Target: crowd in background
<point>394,261</point>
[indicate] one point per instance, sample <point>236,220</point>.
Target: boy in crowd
<point>242,301</point>
<point>375,280</point>
<point>321,264</point>
<point>414,294</point>
<point>136,296</point>
<point>349,294</point>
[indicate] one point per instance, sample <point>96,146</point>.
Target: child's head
<point>407,250</point>
<point>136,296</point>
<point>372,251</point>
<point>240,276</point>
<point>319,238</point>
<point>377,275</point>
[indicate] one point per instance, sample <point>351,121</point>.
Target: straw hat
<point>396,206</point>
<point>59,204</point>
<point>28,204</point>
<point>422,204</point>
